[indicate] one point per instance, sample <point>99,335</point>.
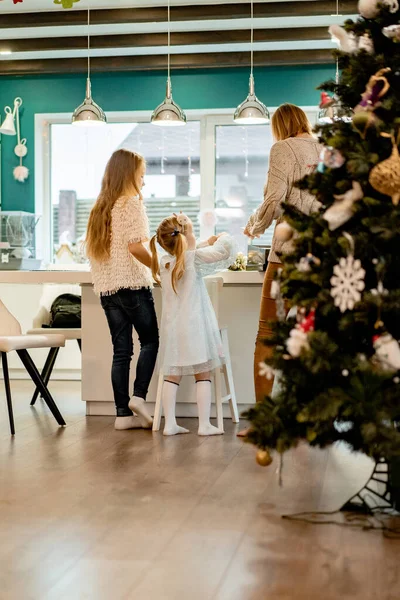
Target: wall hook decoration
<point>8,125</point>
<point>20,172</point>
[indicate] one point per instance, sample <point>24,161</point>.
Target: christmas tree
<point>338,358</point>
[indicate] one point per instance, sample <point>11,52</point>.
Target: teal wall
<point>141,91</point>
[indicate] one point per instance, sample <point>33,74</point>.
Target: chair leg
<point>158,406</point>
<point>218,398</point>
<point>229,379</point>
<point>47,371</point>
<point>38,381</point>
<point>8,391</point>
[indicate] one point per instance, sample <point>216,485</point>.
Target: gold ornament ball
<point>263,458</point>
<point>283,232</point>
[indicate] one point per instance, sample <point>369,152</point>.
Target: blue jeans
<point>124,310</point>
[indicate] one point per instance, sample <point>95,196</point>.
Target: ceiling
<point>38,35</point>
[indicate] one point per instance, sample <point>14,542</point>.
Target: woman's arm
<point>141,253</point>
<point>275,193</point>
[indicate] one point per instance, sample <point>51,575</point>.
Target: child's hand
<point>211,241</point>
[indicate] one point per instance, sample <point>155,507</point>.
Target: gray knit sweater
<point>289,161</point>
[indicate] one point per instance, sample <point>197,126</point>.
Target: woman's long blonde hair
<point>289,121</point>
<point>170,237</point>
<point>121,178</point>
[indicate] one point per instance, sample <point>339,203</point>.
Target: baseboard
<point>183,409</point>
<point>57,375</point>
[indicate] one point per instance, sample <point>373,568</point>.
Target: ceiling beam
<point>160,39</point>
<point>112,64</point>
<point>178,13</point>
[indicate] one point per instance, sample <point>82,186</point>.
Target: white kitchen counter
<point>238,307</point>
<point>83,277</point>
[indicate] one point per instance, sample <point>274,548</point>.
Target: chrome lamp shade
<point>252,111</point>
<point>168,113</point>
<point>89,113</point>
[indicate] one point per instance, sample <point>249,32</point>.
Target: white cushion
<point>69,334</point>
<point>26,342</point>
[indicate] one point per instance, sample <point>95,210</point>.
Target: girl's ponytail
<point>155,267</point>
<point>179,268</point>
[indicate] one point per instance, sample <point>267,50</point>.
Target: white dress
<point>190,341</point>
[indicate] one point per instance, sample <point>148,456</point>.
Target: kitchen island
<point>238,310</point>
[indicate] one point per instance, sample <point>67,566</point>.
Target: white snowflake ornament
<point>347,283</point>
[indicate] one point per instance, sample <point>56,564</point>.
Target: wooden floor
<point>88,512</point>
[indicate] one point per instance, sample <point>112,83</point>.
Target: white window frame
<point>208,119</point>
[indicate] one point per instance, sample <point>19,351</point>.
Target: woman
<point>294,155</point>
<point>120,263</point>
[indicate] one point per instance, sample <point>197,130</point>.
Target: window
<point>211,169</point>
<point>241,165</point>
<point>79,157</point>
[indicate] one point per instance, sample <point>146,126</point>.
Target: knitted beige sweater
<point>129,224</point>
<point>289,161</point>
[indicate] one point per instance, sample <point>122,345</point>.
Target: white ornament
<point>347,40</point>
<point>387,352</point>
<point>266,371</point>
<point>342,210</point>
<point>21,173</point>
<point>5,257</point>
<point>380,290</point>
<point>369,9</point>
<point>20,149</point>
<point>297,341</point>
<point>392,32</point>
<point>303,265</point>
<point>347,283</point>
<point>283,232</point>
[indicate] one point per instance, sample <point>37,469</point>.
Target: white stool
<point>12,339</point>
<point>214,285</point>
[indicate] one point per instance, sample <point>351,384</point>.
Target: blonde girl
<point>120,263</point>
<point>190,338</point>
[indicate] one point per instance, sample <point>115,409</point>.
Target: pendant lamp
<point>8,125</point>
<point>251,111</point>
<point>89,114</point>
<point>168,113</point>
<point>336,111</point>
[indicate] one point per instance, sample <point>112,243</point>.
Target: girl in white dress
<point>190,341</point>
